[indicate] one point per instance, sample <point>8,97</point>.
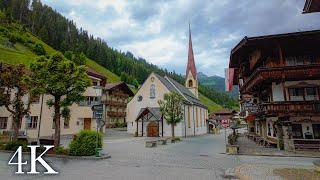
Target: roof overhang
<point>311,6</point>
<point>249,44</point>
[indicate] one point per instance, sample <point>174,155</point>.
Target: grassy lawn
<point>212,106</point>
<point>111,77</point>
<point>295,173</point>
<point>21,54</point>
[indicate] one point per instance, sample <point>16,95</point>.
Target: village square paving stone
<point>194,158</point>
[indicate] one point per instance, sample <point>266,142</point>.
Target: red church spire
<point>191,65</point>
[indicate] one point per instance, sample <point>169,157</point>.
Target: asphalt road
<point>194,158</point>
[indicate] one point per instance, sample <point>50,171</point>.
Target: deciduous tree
<point>171,109</point>
<point>63,80</point>
<point>13,93</point>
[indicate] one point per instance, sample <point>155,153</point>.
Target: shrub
<point>61,150</point>
<point>12,38</point>
<point>38,49</point>
<point>2,146</point>
<point>85,143</point>
<point>14,145</point>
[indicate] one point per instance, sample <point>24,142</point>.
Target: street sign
<point>97,107</point>
<point>97,111</point>
<point>225,123</point>
<point>97,114</point>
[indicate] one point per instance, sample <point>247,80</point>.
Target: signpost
<point>225,124</point>
<point>98,115</point>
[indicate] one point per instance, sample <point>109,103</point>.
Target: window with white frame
<point>296,94</point>
<point>269,129</point>
<point>3,122</point>
<point>32,124</point>
<point>89,101</point>
<point>152,91</point>
<point>311,93</point>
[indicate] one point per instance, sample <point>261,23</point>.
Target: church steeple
<point>191,67</point>
<point>191,71</point>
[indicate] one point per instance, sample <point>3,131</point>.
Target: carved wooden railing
<point>291,107</point>
<point>116,103</point>
<point>116,114</point>
<point>287,72</point>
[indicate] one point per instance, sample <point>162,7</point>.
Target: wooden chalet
<point>279,81</point>
<point>117,95</point>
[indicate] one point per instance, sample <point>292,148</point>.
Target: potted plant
<point>231,147</point>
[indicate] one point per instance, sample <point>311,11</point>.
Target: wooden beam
<point>282,60</point>
<point>137,127</point>
<point>142,126</point>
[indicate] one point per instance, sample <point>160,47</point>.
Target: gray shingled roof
<point>174,86</point>
<point>155,111</point>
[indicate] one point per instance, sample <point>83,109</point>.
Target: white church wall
<point>134,106</point>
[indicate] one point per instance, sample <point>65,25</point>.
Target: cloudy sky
<point>158,30</point>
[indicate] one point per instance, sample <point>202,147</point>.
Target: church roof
<point>191,65</point>
<point>155,111</point>
<point>174,86</point>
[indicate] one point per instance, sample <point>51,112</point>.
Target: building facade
<point>116,99</point>
<point>279,81</point>
<point>81,114</point>
<point>143,113</point>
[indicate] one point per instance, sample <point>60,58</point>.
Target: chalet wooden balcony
<point>291,107</point>
<point>120,94</point>
<point>116,104</point>
<point>264,74</point>
<point>116,114</point>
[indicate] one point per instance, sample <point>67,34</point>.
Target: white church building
<point>143,112</point>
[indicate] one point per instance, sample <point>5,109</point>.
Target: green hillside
<point>20,52</point>
<point>212,106</point>
<point>16,48</point>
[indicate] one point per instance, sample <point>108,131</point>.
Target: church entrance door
<point>152,129</point>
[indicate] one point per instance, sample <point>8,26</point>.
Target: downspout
<point>162,125</point>
<point>194,123</point>
<point>185,126</point>
<point>40,118</point>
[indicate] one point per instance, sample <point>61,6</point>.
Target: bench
<point>306,144</point>
<point>150,144</point>
<point>46,141</point>
<point>162,141</point>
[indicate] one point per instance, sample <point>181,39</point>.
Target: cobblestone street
<point>194,158</point>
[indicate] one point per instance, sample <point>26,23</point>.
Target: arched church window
<point>152,91</point>
<point>190,83</point>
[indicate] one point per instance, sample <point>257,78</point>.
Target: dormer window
<point>152,91</point>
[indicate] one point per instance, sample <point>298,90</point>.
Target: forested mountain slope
<point>63,35</point>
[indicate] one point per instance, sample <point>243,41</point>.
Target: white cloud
<point>157,30</point>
